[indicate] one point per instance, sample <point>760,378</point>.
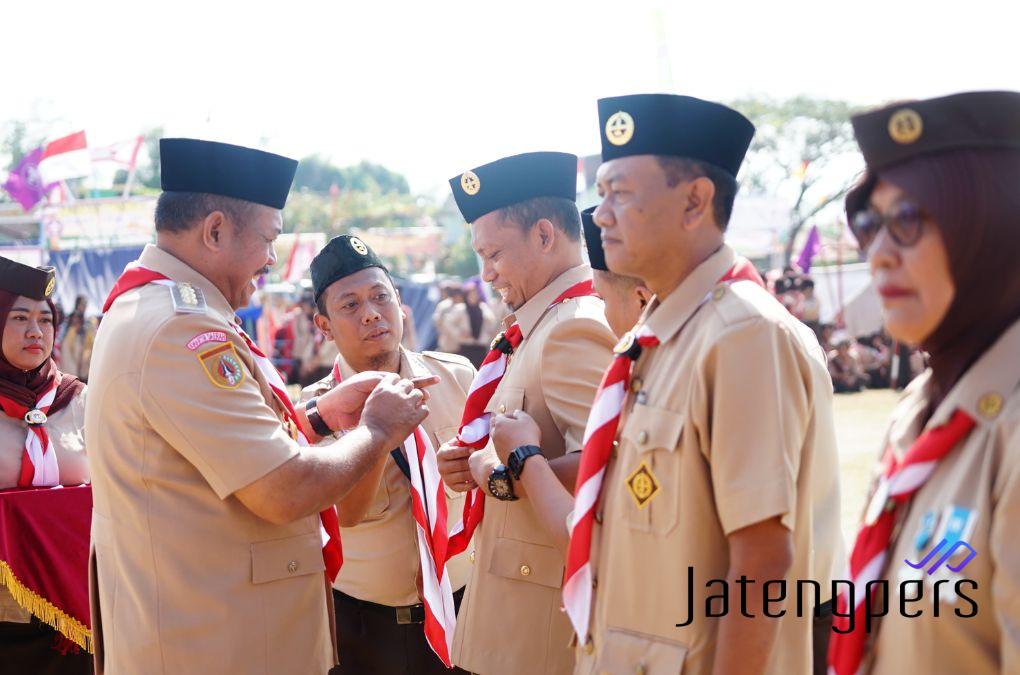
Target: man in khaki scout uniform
<point>525,227</point>
<point>721,458</point>
<point>379,609</point>
<point>938,543</point>
<point>207,553</point>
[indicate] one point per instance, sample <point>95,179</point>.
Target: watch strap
<point>318,425</point>
<point>515,462</point>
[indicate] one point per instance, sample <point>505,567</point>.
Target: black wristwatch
<point>500,484</point>
<point>515,462</point>
<point>315,419</point>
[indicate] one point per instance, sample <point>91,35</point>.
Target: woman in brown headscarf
<point>42,413</point>
<point>938,215</point>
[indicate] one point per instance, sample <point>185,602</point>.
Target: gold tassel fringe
<point>47,612</point>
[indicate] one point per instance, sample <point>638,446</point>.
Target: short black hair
<point>679,169</point>
<point>179,211</point>
<point>320,302</point>
<point>559,211</point>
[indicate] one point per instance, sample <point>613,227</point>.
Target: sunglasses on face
<point>904,223</point>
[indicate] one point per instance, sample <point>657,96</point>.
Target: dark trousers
<point>371,641</point>
<point>34,649</point>
<point>821,630</point>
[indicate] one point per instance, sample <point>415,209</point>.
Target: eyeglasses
<point>904,223</point>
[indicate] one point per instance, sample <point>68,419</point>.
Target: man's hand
<point>395,407</point>
<point>452,460</point>
<point>340,407</point>
<point>509,432</point>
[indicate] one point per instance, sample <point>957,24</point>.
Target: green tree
<point>318,174</point>
<point>147,172</point>
<point>460,260</point>
<point>801,149</point>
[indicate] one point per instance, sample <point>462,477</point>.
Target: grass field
<point>861,421</point>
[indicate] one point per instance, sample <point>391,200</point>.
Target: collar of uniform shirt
<point>984,388</point>
<point>528,316</point>
<point>666,318</point>
<point>158,260</point>
<point>410,366</point>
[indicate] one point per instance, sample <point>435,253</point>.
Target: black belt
<point>402,615</point>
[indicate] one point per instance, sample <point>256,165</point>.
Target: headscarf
<point>26,387</point>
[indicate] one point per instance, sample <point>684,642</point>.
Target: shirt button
<point>502,408</point>
<point>716,295</point>
<point>598,517</point>
<point>990,405</point>
<point>594,582</point>
<point>589,646</point>
<point>642,437</point>
<point>642,669</point>
<point>471,556</point>
<point>635,384</point>
<point>292,566</point>
<point>525,571</point>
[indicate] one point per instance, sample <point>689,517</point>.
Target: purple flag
<point>811,247</point>
<point>24,183</point>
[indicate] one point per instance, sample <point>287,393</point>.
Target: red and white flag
<point>65,158</point>
<point>124,153</point>
<point>300,259</point>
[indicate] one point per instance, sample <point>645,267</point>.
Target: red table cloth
<point>44,555</point>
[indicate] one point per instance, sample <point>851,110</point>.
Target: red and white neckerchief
<point>138,275</point>
<point>599,434</point>
<point>39,459</point>
<point>899,481</point>
<point>428,506</point>
<point>474,425</point>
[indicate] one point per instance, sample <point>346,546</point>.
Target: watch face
<point>500,485</point>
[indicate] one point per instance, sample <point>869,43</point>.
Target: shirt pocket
<point>530,563</point>
<point>286,558</point>
<point>625,653</point>
<point>507,400</point>
<point>651,473</point>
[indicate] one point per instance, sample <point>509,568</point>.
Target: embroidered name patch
<point>643,485</point>
<point>205,338</point>
<point>223,366</point>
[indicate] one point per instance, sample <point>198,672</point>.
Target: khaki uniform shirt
<point>510,620</point>
<point>381,558</point>
<point>185,578</point>
<point>973,496</point>
<point>728,423</point>
<point>66,430</point>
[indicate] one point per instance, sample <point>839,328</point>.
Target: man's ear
<point>546,233</point>
<point>700,193</point>
<point>214,227</point>
<point>644,295</point>
<point>322,323</point>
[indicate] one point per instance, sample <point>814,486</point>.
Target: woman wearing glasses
<point>936,563</point>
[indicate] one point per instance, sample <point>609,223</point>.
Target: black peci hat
<point>190,165</point>
<point>37,283</point>
<point>341,257</point>
<point>672,125</point>
<point>593,240</point>
<point>514,179</point>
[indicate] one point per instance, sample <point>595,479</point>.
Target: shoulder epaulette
<point>448,358</point>
<point>188,298</point>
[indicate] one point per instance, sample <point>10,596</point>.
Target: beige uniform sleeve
<point>1006,551</point>
<point>750,405</point>
<point>229,433</point>
<point>574,358</point>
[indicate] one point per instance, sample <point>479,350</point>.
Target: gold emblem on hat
<point>905,126</point>
<point>469,183</point>
<point>619,128</point>
<point>990,405</point>
<point>50,285</point>
<point>643,485</point>
<point>359,246</point>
